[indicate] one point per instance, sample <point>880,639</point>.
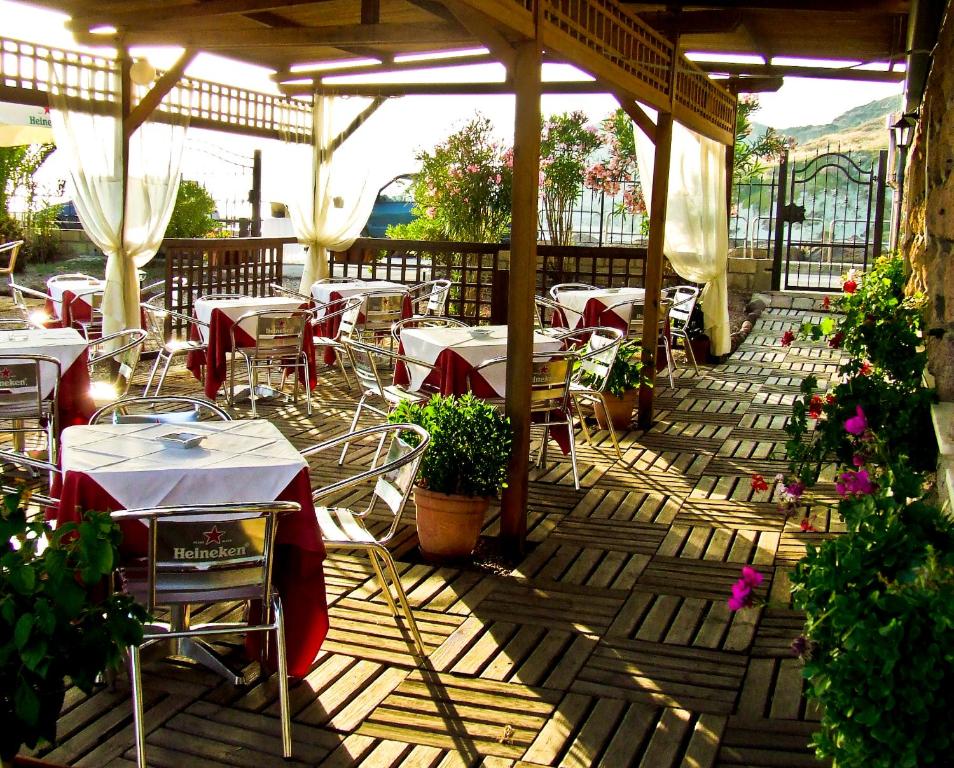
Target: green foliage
<point>750,152</point>
<point>55,623</point>
<point>879,328</point>
<point>627,370</point>
<point>880,620</point>
<point>566,143</point>
<point>469,448</point>
<point>464,187</point>
<point>420,228</point>
<point>192,215</point>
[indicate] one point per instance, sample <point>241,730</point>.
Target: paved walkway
<point>611,643</point>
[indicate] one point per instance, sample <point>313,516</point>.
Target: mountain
<point>860,129</point>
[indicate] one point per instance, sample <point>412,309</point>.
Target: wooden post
<point>255,194</point>
<point>523,262</point>
<point>654,262</point>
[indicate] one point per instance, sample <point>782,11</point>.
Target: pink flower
<point>472,168</point>
<point>858,460</point>
<point>806,524</point>
<point>787,338</point>
<point>795,490</point>
<point>741,596</point>
<point>854,484</point>
<point>857,424</point>
<point>431,212</point>
<point>751,577</point>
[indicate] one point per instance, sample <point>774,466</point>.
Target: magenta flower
<point>795,490</point>
<point>854,484</point>
<point>857,424</point>
<point>751,577</point>
<point>742,596</point>
<point>858,460</point>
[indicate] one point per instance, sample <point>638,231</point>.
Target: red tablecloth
<point>596,313</point>
<point>75,405</point>
<point>215,358</point>
<point>296,572</point>
<point>70,313</point>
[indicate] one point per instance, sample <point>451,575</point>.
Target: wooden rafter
<point>485,30</point>
<point>147,105</point>
<point>637,115</point>
<point>385,68</point>
<point>118,15</point>
<point>825,73</point>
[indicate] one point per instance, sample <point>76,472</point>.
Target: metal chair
<point>424,321</point>
<point>550,406</point>
<point>180,570</point>
<point>429,299</point>
<point>19,472</point>
<point>14,324</point>
<point>346,314</point>
<point>597,348</point>
<point>391,480</point>
<point>158,410</point>
<point>366,360</point>
<point>381,309</point>
<point>37,318</point>
<point>636,330</point>
<point>93,327</point>
<point>116,356</point>
<point>10,250</point>
<point>557,289</point>
<point>156,317</point>
<point>683,298</point>
<point>544,311</point>
<point>29,393</point>
<point>281,290</point>
<point>278,337</point>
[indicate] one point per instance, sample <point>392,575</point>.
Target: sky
<point>414,123</point>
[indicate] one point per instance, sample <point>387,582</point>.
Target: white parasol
<point>21,124</point>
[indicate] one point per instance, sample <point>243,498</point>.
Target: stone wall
<point>750,273</point>
<point>928,236</point>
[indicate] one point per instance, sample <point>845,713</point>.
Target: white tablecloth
<point>64,344</point>
<point>323,291</point>
<point>248,460</point>
<point>472,344</point>
<point>235,308</point>
<point>574,302</point>
<point>78,288</point>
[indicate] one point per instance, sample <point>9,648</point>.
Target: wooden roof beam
<point>874,7</point>
<point>148,104</point>
<point>753,84</point>
<point>113,13</point>
<point>437,33</point>
<point>484,30</point>
<point>385,68</point>
<point>693,22</point>
<point>825,73</point>
<point>637,115</point>
<point>438,89</point>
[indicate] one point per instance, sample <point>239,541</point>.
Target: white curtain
<point>329,193</point>
<point>697,238</point>
<point>92,145</point>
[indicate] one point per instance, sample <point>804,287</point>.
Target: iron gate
<point>829,218</point>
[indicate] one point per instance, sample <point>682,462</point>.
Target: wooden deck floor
<point>611,643</point>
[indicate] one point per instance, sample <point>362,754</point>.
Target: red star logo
<point>5,373</point>
<point>213,536</point>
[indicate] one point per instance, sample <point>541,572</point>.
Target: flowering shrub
<point>566,143</point>
<point>463,190</point>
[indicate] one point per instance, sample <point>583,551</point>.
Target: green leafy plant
<point>627,372</point>
<point>470,444</point>
<point>566,143</point>
<point>192,215</point>
<point>463,189</point>
<point>749,151</point>
<point>56,623</point>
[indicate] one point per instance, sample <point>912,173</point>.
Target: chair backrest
<point>159,410</point>
<point>72,277</point>
<point>78,305</point>
<point>115,357</point>
<point>635,330</point>
<point>365,359</point>
<point>425,321</point>
<point>155,317</point>
<point>597,355</point>
<point>557,289</point>
<point>10,250</point>
<point>382,309</point>
<point>430,298</point>
<point>278,334</point>
<point>683,298</point>
<point>14,324</point>
<point>393,477</point>
<point>19,471</point>
<point>281,290</point>
<point>550,377</point>
<point>33,315</point>
<point>209,553</point>
<point>22,380</point>
<point>349,312</point>
<point>221,296</point>
<point>545,309</point>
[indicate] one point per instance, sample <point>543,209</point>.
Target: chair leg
<point>162,377</point>
<point>252,384</point>
<point>135,682</point>
<point>669,366</point>
<point>283,698</point>
<point>307,385</point>
<point>344,369</point>
<point>382,581</point>
<point>402,598</point>
<point>576,474</point>
<point>583,426</point>
<point>152,374</point>
<point>689,353</point>
<point>354,424</point>
<point>609,425</point>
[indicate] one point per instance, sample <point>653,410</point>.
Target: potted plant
<point>622,385</point>
<point>58,626</point>
<point>464,467</point>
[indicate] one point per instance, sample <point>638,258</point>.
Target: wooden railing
<point>195,267</point>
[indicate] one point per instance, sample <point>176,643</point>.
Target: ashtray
<point>481,331</point>
<point>182,439</point>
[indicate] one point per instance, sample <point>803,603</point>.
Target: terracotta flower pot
<point>448,525</point>
<point>620,409</point>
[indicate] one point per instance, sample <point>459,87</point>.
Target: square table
<point>124,466</point>
<point>62,293</point>
<point>219,315</point>
<point>67,345</point>
<point>595,307</point>
<point>456,351</point>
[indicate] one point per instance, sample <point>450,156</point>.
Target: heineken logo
<point>42,121</point>
<point>214,545</point>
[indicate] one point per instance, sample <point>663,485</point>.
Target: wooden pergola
<point>633,50</point>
